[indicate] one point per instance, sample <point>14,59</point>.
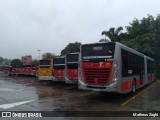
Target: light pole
<point>39,50</point>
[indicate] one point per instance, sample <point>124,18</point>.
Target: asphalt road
<point>29,94</point>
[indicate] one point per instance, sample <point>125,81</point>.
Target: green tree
<point>34,62</point>
<point>141,36</point>
<point>71,48</point>
<point>112,34</point>
<point>103,40</point>
<point>48,55</point>
<point>1,60</point>
<point>157,43</point>
<point>7,61</point>
<point>16,63</point>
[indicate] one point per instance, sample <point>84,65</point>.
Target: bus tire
<point>134,87</point>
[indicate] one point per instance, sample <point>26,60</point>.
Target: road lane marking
<point>9,90</point>
<point>130,99</point>
<point>10,105</point>
<point>86,94</point>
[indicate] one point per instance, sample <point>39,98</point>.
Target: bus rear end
<point>71,69</point>
<point>34,71</point>
<point>7,70</point>
<point>58,68</point>
<point>45,70</point>
<point>97,68</point>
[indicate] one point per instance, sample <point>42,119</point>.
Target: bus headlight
<point>115,73</point>
<point>80,75</point>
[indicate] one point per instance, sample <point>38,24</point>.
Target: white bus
<point>113,67</point>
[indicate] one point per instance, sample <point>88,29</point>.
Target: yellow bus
<point>45,70</point>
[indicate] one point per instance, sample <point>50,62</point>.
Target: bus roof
<point>73,53</point>
<point>122,46</point>
<point>134,51</point>
<point>98,43</point>
<point>59,57</point>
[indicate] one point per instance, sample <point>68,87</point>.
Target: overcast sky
<point>49,25</point>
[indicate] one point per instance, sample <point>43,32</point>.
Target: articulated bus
<point>58,68</point>
<point>6,69</point>
<point>113,67</point>
<point>45,70</point>
<point>71,68</point>
<point>28,70</point>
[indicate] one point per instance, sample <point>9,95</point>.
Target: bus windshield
<point>72,65</point>
<point>72,58</point>
<point>58,61</point>
<point>98,51</point>
<point>44,63</point>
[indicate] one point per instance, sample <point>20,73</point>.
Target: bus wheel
<point>134,87</point>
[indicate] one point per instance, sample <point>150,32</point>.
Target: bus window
<point>98,52</point>
<point>44,63</point>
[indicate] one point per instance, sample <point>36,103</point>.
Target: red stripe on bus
<point>126,85</point>
<point>58,73</point>
<point>73,74</point>
<point>137,83</point>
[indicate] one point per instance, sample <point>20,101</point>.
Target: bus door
<point>141,71</point>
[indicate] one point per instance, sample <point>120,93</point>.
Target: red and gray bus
<point>6,69</point>
<point>71,68</point>
<point>113,67</point>
<point>58,68</point>
<point>24,70</point>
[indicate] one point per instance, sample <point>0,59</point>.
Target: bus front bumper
<point>70,81</point>
<point>58,79</point>
<point>45,78</point>
<point>113,87</point>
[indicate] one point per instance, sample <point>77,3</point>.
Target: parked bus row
<point>24,70</point>
<point>109,67</point>
<point>114,67</point>
<point>60,68</point>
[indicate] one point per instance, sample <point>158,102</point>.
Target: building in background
<point>27,60</point>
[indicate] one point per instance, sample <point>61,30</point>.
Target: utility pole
<point>39,50</point>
